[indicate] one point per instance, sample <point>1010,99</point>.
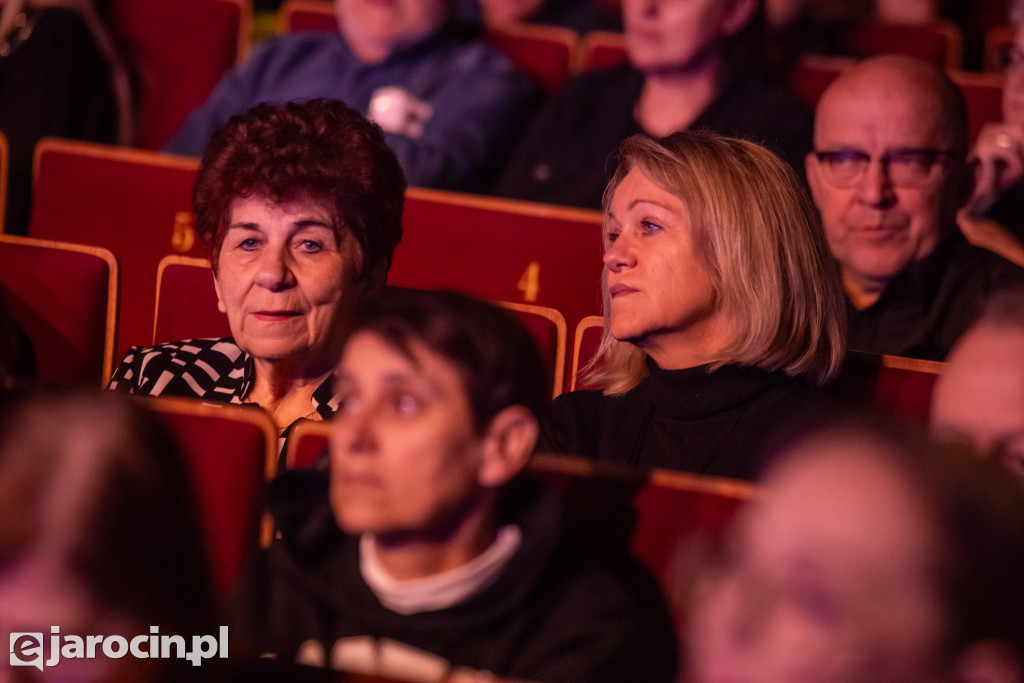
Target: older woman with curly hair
<point>723,310</point>
<point>300,206</point>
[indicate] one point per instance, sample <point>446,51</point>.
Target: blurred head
<point>698,227</point>
<point>374,30</point>
<point>439,396</point>
<point>99,532</point>
<point>668,36</point>
<point>888,171</point>
<point>868,557</point>
<point>979,397</point>
<point>300,206</point>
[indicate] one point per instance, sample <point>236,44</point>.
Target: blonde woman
<point>723,310</point>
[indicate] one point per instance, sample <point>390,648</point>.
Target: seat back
<point>547,327</point>
<point>306,15</point>
<point>938,42</point>
<point>585,344</point>
<point>808,78</point>
<point>186,301</point>
<point>998,40</point>
<point>544,52</point>
<point>600,50</point>
<point>983,94</point>
<point>179,50</point>
<point>897,387</point>
<point>230,452</point>
<point>306,442</point>
<point>501,249</point>
<point>64,297</point>
<point>135,203</point>
<point>676,509</point>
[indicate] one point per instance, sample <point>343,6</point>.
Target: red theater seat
<point>502,250</point>
<point>179,50</point>
<point>186,301</point>
<point>889,385</point>
<point>548,329</point>
<point>599,50</point>
<point>984,96</point>
<point>307,441</point>
<point>585,345</point>
<point>544,52</point>
<point>230,451</point>
<point>64,296</point>
<point>811,74</point>
<point>135,203</point>
<point>938,42</point>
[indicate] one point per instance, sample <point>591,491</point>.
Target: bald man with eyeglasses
<point>888,173</point>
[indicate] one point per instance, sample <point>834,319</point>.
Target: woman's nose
<point>275,271</point>
<point>619,254</point>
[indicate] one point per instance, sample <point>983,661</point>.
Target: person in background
<point>867,556</point>
<point>60,75</point>
<point>692,64</point>
<point>300,206</point>
<point>979,396</point>
<point>449,105</point>
<point>888,174</point>
<point>99,532</point>
<point>993,218</point>
<point>722,311</point>
<point>424,554</point>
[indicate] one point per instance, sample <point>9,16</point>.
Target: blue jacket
<point>478,99</point>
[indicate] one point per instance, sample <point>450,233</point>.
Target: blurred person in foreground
<point>449,104</point>
<point>888,174</point>
<point>300,206</point>
<point>99,533</point>
<point>979,396</point>
<point>723,312</point>
<point>424,553</point>
<point>867,556</point>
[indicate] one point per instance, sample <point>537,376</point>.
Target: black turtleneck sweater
<point>695,420</point>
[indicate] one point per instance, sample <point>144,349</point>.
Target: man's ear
<point>988,662</point>
<point>508,444</point>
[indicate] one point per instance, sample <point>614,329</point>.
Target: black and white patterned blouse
<point>214,370</point>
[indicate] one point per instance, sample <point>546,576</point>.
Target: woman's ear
<point>508,445</point>
<point>988,662</point>
<point>220,299</point>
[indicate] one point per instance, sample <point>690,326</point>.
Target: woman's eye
<point>611,237</point>
<point>248,244</point>
<point>405,404</point>
<point>348,405</point>
<point>310,246</point>
<point>648,228</point>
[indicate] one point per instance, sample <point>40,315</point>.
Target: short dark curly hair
<point>320,150</point>
<point>495,354</point>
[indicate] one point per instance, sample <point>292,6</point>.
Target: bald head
<point>919,85</point>
<point>888,172</point>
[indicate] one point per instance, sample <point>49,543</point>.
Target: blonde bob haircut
<point>757,233</point>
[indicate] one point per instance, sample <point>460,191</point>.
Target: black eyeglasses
<point>845,168</point>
